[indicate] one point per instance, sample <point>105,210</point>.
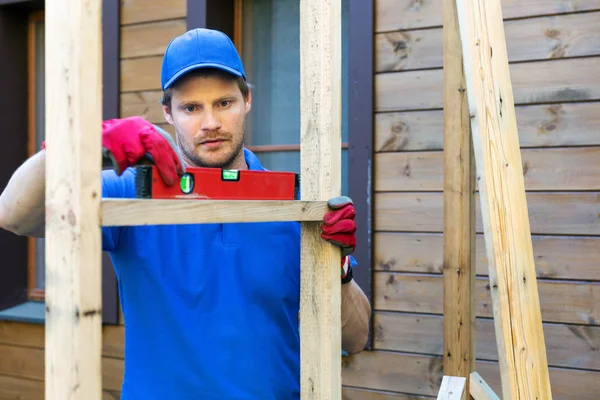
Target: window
<point>269,44</point>
<point>22,41</point>
<point>36,134</point>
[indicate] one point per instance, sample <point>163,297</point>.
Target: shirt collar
<point>252,161</point>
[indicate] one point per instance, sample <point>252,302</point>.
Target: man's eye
<point>190,108</point>
<point>224,103</point>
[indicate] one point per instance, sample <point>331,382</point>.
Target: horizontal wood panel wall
<point>146,28</point>
<point>554,54</point>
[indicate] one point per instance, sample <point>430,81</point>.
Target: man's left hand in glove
<point>339,229</point>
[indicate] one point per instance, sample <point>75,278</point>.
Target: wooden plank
<point>28,363</point>
<point>557,257</point>
<point>559,213</point>
<point>320,166</point>
<point>149,39</point>
<point>140,74</point>
<point>459,216</point>
<point>565,168</point>
<point>452,388</point>
<point>127,212</point>
<point>391,15</point>
<point>421,375</point>
<point>551,81</point>
<point>480,389</point>
<point>566,124</point>
<point>73,163</point>
<point>32,335</point>
<point>569,346</point>
<point>571,35</point>
<point>562,301</point>
<point>505,214</point>
<point>136,11</point>
<point>145,104</point>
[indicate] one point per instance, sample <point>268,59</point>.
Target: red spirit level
<point>216,183</point>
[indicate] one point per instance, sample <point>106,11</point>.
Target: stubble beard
<point>192,158</point>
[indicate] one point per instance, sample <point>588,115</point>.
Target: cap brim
<point>199,66</point>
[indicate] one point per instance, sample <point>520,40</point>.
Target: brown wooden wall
<point>554,50</point>
<point>147,28</point>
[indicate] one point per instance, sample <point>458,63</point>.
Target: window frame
<point>226,15</point>
<point>16,266</point>
<point>33,291</point>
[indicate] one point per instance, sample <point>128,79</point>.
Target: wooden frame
<point>33,292</point>
<point>75,211</point>
<point>478,96</point>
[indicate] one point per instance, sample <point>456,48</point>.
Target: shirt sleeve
<point>114,186</point>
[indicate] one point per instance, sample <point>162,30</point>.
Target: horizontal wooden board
<point>136,11</point>
<point>561,301</point>
<point>141,74</point>
<point>572,346</point>
<point>32,335</point>
<point>571,35</point>
<point>391,15</point>
<point>145,104</point>
<point>551,81</point>
<point>370,394</point>
<point>548,125</point>
<point>422,375</point>
<point>13,388</point>
<point>149,39</point>
<point>557,257</point>
<point>565,168</point>
<point>128,212</point>
<point>549,213</point>
<point>29,363</point>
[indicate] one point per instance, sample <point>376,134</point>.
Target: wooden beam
<point>480,390</point>
<point>459,210</point>
<point>452,388</point>
<point>320,165</point>
<point>73,192</point>
<point>124,212</point>
<point>516,305</point>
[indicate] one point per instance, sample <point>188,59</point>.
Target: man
<point>211,310</point>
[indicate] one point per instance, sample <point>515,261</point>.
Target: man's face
<point>209,114</point>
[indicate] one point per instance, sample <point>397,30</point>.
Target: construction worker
<point>211,310</point>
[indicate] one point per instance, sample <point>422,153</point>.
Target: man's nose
<point>211,121</point>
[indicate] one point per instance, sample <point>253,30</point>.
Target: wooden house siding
<point>146,29</point>
<point>554,54</point>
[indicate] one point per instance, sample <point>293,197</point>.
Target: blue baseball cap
<point>200,48</point>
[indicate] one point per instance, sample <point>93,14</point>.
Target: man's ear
<point>168,116</point>
<point>248,101</point>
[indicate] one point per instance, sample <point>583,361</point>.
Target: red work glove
<point>127,140</point>
<point>338,225</point>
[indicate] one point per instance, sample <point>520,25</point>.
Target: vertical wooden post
<point>517,314</point>
<point>73,165</point>
<point>320,145</point>
<point>459,210</point>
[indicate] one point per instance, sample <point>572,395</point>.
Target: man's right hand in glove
<point>127,141</point>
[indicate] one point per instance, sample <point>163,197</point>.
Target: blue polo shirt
<point>211,310</point>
